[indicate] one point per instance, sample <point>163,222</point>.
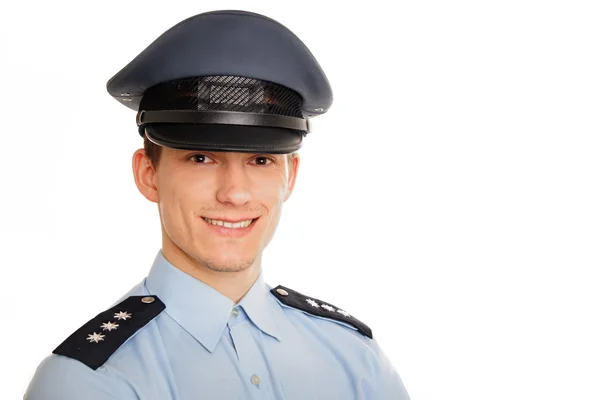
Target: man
<point>223,101</point>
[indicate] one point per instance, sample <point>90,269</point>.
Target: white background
<point>449,198</point>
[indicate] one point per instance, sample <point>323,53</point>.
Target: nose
<point>234,185</point>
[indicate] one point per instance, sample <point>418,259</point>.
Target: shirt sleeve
<point>389,385</point>
<point>63,378</point>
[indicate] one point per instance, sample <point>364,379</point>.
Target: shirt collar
<point>202,310</point>
<point>263,309</point>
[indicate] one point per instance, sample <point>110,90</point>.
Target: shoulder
<point>99,338</point>
<point>78,367</point>
<point>319,308</point>
<point>64,378</point>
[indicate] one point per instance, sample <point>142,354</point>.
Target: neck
<point>234,285</point>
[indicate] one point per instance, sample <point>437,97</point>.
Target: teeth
<point>241,224</point>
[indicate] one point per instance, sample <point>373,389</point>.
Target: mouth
<point>240,224</point>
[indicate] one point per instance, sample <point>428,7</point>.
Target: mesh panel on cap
<point>223,93</point>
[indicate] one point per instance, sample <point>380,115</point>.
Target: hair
<point>153,152</point>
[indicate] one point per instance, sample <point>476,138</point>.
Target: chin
<point>226,258</point>
<point>229,264</point>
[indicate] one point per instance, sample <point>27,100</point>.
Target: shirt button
<point>255,379</point>
<point>235,312</point>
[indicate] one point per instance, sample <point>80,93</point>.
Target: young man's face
<point>196,189</point>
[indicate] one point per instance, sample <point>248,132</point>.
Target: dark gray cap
<point>225,81</point>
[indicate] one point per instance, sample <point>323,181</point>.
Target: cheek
<point>271,190</point>
<point>179,204</point>
<point>272,197</point>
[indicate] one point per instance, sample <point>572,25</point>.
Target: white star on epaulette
<point>312,303</point>
<point>95,337</point>
<point>109,326</point>
<point>344,313</point>
<point>122,315</point>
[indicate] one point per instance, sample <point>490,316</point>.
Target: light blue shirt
<point>203,346</point>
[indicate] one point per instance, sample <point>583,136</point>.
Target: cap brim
<point>214,137</point>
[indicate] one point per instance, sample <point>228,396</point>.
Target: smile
<point>232,225</point>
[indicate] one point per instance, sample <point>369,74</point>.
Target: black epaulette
<point>318,307</point>
<point>97,340</point>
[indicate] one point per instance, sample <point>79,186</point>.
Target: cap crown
<point>237,43</point>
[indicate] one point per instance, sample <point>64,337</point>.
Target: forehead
<point>221,154</point>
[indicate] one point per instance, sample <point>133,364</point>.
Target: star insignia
<point>95,337</point>
<point>122,315</point>
<point>327,307</point>
<point>344,313</point>
<point>109,326</point>
<point>312,303</point>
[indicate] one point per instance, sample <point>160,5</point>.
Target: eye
<point>262,160</point>
<point>201,157</point>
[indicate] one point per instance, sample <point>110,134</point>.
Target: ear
<point>144,175</point>
<point>292,174</point>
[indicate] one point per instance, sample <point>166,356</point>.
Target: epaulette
<point>98,339</point>
<point>319,308</point>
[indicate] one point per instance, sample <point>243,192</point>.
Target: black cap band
<point>221,117</point>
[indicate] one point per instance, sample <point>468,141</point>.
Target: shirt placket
<point>250,359</point>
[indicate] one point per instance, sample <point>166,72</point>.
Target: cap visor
<point>214,137</point>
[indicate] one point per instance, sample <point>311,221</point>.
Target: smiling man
<point>223,101</point>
